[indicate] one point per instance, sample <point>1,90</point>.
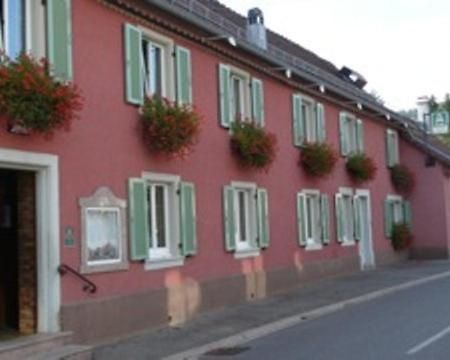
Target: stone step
<point>24,347</point>
<point>67,352</point>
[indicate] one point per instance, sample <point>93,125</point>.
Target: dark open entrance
<point>18,275</point>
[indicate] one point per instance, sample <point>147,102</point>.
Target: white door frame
<point>366,194</point>
<point>45,167</point>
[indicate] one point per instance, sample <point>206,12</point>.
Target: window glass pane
<point>102,232</point>
<point>156,70</point>
<point>150,213</point>
<point>236,92</point>
<point>15,27</point>
<point>348,217</point>
<point>160,213</point>
<point>310,217</point>
<point>242,203</point>
<point>305,120</point>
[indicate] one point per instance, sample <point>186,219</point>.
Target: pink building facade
<point>87,184</point>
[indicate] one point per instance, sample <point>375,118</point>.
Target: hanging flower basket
<point>169,128</point>
<point>401,237</point>
<point>318,159</point>
<point>361,168</point>
<point>403,179</point>
<point>252,145</point>
<point>33,101</point>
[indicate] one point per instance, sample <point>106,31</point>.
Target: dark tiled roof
<point>273,38</point>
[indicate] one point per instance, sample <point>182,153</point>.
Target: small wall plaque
<point>69,238</point>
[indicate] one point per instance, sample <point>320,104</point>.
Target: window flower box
<point>169,128</point>
<point>361,168</point>
<point>33,101</point>
<point>318,159</point>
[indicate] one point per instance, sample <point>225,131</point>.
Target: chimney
<point>423,109</point>
<point>256,31</point>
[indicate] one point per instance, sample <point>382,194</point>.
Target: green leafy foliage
<point>361,168</point>
<point>32,99</point>
<point>401,237</point>
<point>170,128</point>
<point>252,145</point>
<point>403,179</point>
<point>318,159</point>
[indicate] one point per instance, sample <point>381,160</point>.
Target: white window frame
<point>250,248</point>
<point>103,200</point>
<point>393,134</point>
<point>167,64</point>
<point>172,257</point>
<point>35,28</point>
<point>352,132</point>
<point>397,213</point>
<point>245,96</point>
<point>348,240</point>
<point>314,243</point>
<point>310,120</point>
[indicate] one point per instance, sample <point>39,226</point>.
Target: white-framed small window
<point>241,96</point>
<point>345,222</point>
<point>309,124</point>
<point>313,214</point>
<point>22,27</point>
<point>157,62</point>
<point>103,240</point>
<point>163,223</point>
<point>351,134</point>
<point>392,148</point>
<point>396,211</point>
<point>246,219</point>
<point>162,220</point>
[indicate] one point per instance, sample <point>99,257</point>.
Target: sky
<point>401,47</point>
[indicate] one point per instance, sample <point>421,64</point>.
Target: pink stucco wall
<point>104,149</point>
<point>430,201</point>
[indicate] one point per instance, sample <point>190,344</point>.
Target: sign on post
<point>440,122</point>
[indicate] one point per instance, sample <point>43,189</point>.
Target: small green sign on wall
<point>69,237</point>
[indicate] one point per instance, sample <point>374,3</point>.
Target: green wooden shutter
<point>133,65</point>
<point>340,220</point>
<point>320,122</point>
<point>325,218</point>
<point>138,219</point>
<point>359,136</point>
<point>301,219</point>
<point>388,218</point>
<point>225,96</point>
<point>59,35</point>
<point>297,120</point>
<point>389,161</point>
<point>343,134</point>
<point>357,218</point>
<point>229,219</point>
<point>184,75</point>
<point>258,101</point>
<point>188,219</point>
<point>263,218</point>
<point>407,214</point>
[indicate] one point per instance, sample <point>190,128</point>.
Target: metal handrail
<point>88,286</point>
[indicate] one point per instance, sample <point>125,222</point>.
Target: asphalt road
<point>411,324</point>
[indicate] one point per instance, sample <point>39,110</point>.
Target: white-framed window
<point>155,66</point>
<point>103,240</point>
<point>241,96</point>
<point>313,219</point>
<point>162,220</point>
<point>246,219</point>
<point>392,148</point>
<point>345,222</point>
<point>22,27</point>
<point>351,134</point>
<point>396,211</point>
<point>308,120</point>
